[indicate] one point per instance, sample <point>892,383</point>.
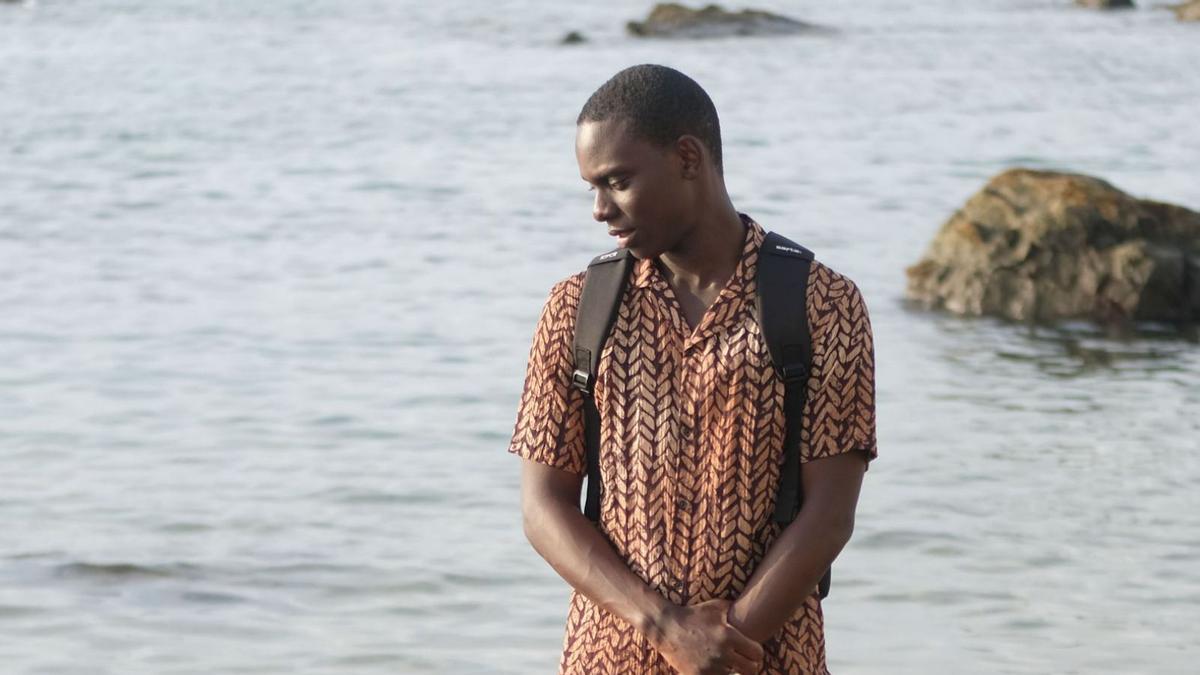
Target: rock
<point>1041,245</point>
<point>675,20</point>
<point>1188,11</point>
<point>1105,4</point>
<point>573,38</point>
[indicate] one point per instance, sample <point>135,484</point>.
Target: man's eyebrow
<point>607,175</point>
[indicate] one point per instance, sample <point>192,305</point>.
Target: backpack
<point>782,281</point>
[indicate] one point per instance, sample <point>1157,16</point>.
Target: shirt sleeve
<point>549,426</point>
<point>840,410</point>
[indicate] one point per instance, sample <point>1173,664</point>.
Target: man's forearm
<point>587,561</point>
<point>790,571</point>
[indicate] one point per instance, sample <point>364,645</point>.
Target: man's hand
<point>698,640</point>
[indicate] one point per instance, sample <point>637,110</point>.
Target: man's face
<point>640,190</point>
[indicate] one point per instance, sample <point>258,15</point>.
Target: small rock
<point>1188,11</point>
<point>1105,4</point>
<point>678,21</point>
<point>573,38</point>
<point>1043,245</point>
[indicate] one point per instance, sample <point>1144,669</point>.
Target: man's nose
<point>602,208</point>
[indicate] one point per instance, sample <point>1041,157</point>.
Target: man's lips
<point>623,236</point>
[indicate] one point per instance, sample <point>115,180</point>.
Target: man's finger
<point>741,665</point>
<point>744,645</point>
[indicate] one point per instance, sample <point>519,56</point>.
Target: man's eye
<point>619,184</point>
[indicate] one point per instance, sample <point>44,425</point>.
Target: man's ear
<point>691,156</point>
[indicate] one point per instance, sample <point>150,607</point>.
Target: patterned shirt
<point>691,438</point>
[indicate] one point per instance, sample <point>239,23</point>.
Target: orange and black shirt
<point>691,438</point>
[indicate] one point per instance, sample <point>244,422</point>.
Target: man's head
<point>649,142</point>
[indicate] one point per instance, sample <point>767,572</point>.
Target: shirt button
<point>683,504</point>
<point>678,585</point>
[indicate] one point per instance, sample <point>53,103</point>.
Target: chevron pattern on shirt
<point>691,438</point>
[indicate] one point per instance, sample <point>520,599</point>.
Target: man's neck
<point>708,255</point>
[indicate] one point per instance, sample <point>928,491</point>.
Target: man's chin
<point>640,253</point>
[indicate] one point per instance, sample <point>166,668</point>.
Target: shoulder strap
<point>782,281</point>
<point>603,286</point>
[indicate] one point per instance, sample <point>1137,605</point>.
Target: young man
<point>686,570</point>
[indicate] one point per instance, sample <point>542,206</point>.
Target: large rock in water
<point>675,20</point>
<point>1045,245</point>
<point>1188,11</point>
<point>1106,4</point>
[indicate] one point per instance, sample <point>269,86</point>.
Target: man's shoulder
<point>565,293</point>
<point>570,283</point>
<point>824,278</point>
<point>833,299</point>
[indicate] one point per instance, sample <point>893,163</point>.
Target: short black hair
<point>660,104</point>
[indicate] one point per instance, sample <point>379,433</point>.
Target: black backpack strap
<point>782,283</point>
<point>782,280</point>
<point>603,286</point>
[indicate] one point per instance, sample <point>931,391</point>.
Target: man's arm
<point>573,546</point>
<point>798,559</point>
<point>697,639</point>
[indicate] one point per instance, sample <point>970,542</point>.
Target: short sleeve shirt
<point>691,443</point>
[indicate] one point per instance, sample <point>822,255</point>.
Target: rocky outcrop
<point>677,21</point>
<point>1105,4</point>
<point>1041,245</point>
<point>1188,11</point>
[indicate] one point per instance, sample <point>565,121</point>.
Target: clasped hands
<point>699,640</point>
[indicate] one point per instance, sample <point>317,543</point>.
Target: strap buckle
<point>794,373</point>
<point>581,380</point>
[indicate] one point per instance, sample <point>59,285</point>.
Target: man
<point>687,571</point>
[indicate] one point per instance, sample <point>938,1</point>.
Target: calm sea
<point>269,273</point>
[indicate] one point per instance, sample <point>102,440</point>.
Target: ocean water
<point>269,274</point>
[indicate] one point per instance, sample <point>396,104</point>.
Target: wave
<point>123,570</point>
